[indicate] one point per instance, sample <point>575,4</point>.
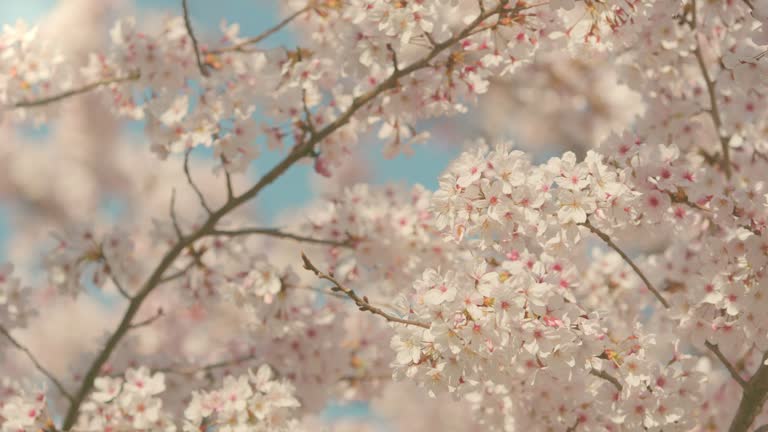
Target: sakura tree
<point>621,285</point>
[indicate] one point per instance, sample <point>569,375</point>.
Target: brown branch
<point>73,92</point>
<point>191,370</point>
<point>174,219</point>
<point>240,46</point>
<point>300,151</point>
<point>159,314</point>
<point>188,23</point>
<point>178,274</point>
<point>274,232</point>
<point>192,183</point>
<point>607,239</point>
<point>608,377</point>
<point>228,180</point>
<point>361,302</point>
<point>37,364</point>
<point>720,356</point>
<point>752,399</point>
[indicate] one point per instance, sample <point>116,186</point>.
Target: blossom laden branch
<point>361,302</point>
<point>40,367</point>
<point>299,151</point>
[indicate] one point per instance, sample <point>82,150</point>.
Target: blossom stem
<point>362,302</point>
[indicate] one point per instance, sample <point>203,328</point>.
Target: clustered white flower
<point>255,402</point>
<point>499,297</point>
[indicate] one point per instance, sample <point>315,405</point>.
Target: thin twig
<point>192,370</point>
<point>714,110</point>
<point>119,286</point>
<point>607,239</point>
<point>228,179</point>
<point>73,92</point>
<point>188,23</point>
<point>361,302</point>
<point>37,364</point>
<point>159,314</point>
<point>174,220</point>
<point>274,232</point>
<point>720,356</point>
<point>752,400</point>
<point>192,183</point>
<point>240,46</point>
<point>178,274</point>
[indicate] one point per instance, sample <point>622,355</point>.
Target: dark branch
<point>607,239</point>
<point>188,23</point>
<point>361,302</point>
<point>37,364</point>
<point>720,356</point>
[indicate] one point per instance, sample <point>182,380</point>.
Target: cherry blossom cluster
<point>81,253</point>
<point>620,287</point>
<point>255,402</point>
<point>22,409</point>
<point>132,402</point>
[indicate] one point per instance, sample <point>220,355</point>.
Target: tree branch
<point>240,46</point>
<point>274,232</point>
<point>608,377</point>
<point>752,400</point>
<point>159,314</point>
<point>361,302</point>
<point>73,92</point>
<point>720,356</point>
<point>714,111</point>
<point>192,183</point>
<point>188,23</point>
<point>607,239</point>
<point>37,364</point>
<point>300,151</point>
